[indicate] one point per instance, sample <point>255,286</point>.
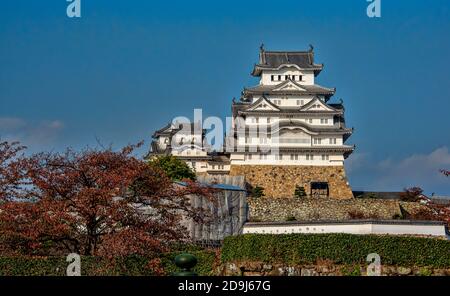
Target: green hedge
<point>339,248</point>
<point>131,266</point>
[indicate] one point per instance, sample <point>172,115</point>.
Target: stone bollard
<point>185,262</point>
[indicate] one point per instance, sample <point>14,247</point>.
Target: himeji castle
<point>285,131</point>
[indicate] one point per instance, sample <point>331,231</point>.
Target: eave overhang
<point>310,149</point>
<point>295,112</point>
<point>259,68</point>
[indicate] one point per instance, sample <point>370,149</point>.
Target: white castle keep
<point>284,130</point>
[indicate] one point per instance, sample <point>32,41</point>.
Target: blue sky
<point>126,68</point>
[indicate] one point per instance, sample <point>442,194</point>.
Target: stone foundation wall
<point>280,181</point>
<point>320,269</point>
<point>311,209</point>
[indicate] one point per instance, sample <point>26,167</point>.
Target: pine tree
<point>299,192</point>
<point>258,191</point>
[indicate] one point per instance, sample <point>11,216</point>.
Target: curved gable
<point>263,104</point>
<point>317,104</point>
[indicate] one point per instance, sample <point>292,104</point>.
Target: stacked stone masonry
<point>281,181</point>
<point>310,209</point>
<point>249,268</point>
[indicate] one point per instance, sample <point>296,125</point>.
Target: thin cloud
<point>394,175</point>
<point>356,161</point>
<point>30,133</point>
<point>8,124</point>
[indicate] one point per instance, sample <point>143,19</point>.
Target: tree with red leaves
<point>97,202</point>
<point>412,194</point>
<point>12,176</point>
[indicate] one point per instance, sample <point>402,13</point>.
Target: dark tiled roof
<point>337,106</point>
<point>337,222</point>
<point>275,59</point>
<point>220,158</point>
<point>162,130</point>
<point>314,101</point>
<point>263,98</point>
<point>442,200</point>
<point>378,195</point>
<point>170,130</point>
<point>226,187</point>
<point>156,150</point>
<point>347,150</point>
<point>311,128</point>
<point>308,89</point>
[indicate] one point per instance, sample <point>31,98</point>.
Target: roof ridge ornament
<point>262,57</point>
<point>311,54</point>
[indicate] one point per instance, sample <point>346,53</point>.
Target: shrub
<point>299,192</point>
<point>372,195</point>
<point>175,168</point>
<point>413,194</point>
<point>257,192</point>
<point>349,270</point>
<point>356,215</point>
<point>93,266</point>
<point>397,217</point>
<point>339,248</point>
<point>424,214</point>
<point>425,272</point>
<point>291,218</point>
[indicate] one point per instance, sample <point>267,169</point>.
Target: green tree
<point>258,191</point>
<point>175,168</point>
<point>299,192</point>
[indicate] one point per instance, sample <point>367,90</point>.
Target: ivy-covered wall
<point>338,249</point>
<point>95,266</point>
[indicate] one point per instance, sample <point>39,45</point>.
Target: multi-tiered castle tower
<point>285,131</point>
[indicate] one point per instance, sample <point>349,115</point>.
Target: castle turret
<point>285,131</point>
